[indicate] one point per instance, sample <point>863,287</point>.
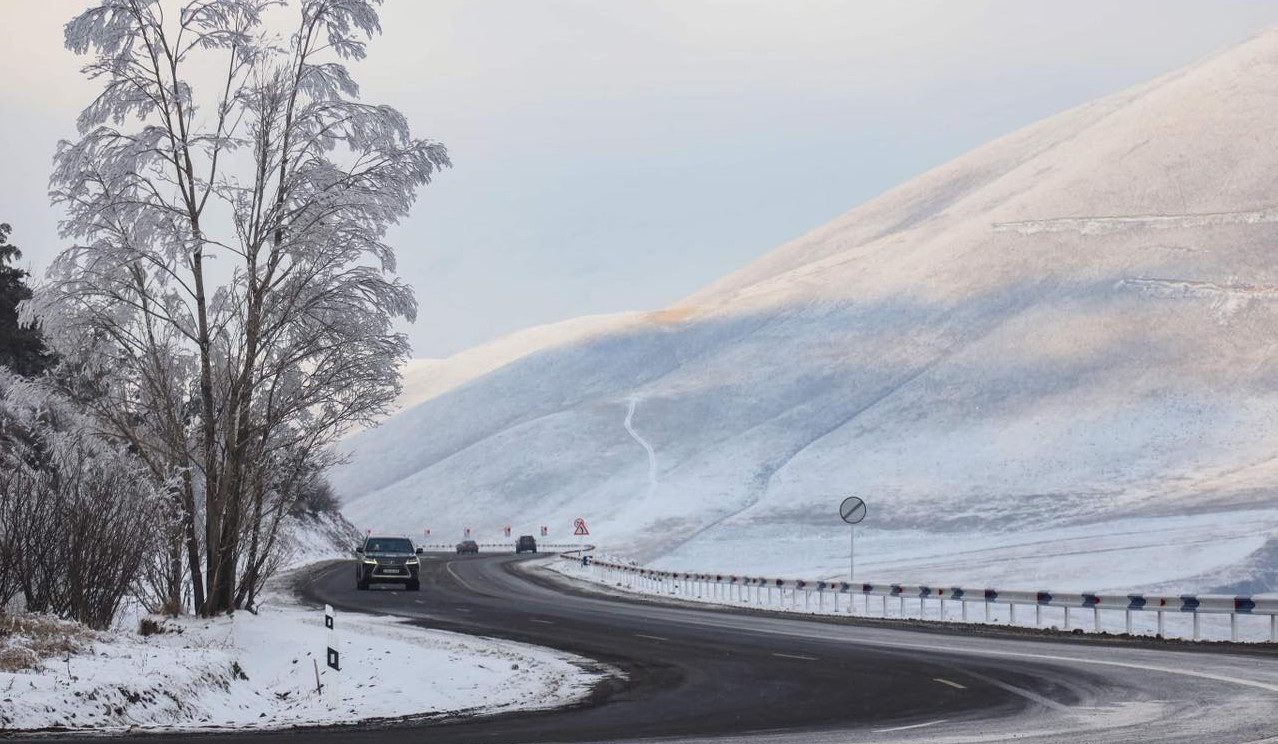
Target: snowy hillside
<point>1069,331</point>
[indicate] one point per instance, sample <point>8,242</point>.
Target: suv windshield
<point>388,545</point>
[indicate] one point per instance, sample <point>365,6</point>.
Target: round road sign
<point>852,510</point>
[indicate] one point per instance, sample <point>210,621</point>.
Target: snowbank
<point>259,671</point>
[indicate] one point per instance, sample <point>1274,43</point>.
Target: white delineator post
<point>333,659</point>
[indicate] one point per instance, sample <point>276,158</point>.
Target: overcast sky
<point>619,155</point>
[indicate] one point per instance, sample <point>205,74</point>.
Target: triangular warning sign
<point>579,527</point>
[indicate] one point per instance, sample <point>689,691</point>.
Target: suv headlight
<point>370,561</point>
<point>411,562</point>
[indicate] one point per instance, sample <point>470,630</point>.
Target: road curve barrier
<point>828,596</point>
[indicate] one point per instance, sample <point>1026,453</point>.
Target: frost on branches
<point>231,291</point>
<point>77,519</point>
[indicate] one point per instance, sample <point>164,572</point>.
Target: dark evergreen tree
<point>22,346</point>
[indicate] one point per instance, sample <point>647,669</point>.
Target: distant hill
<point>1068,331</point>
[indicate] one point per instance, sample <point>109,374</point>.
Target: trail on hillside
<point>652,455</point>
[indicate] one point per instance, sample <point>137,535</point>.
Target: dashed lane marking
<point>543,622</point>
<point>796,656</point>
<point>955,685</point>
<point>650,637</point>
<point>462,609</point>
<point>911,726</point>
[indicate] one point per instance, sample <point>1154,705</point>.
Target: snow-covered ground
<point>1018,358</point>
<point>259,671</point>
<point>1176,625</point>
<point>1170,554</point>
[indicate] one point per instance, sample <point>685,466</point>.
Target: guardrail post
<point>1038,616</point>
<point>820,600</point>
<point>987,610</point>
<point>964,601</point>
<point>901,609</point>
<point>1233,627</point>
<point>807,599</point>
<point>1096,619</point>
<point>1067,616</point>
<point>1011,613</point>
<point>836,601</point>
<point>1129,622</point>
<point>1273,628</point>
<point>922,610</point>
<point>1196,626</point>
<point>1162,632</point>
<point>942,609</point>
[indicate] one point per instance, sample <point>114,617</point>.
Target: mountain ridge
<point>1069,325</point>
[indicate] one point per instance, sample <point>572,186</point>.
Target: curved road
<point>695,673</point>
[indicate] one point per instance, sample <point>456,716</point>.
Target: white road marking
<point>1267,687</point>
<point>955,685</point>
<point>912,726</point>
<point>650,637</point>
<point>543,622</point>
<point>449,568</point>
<point>461,609</point>
<point>797,656</point>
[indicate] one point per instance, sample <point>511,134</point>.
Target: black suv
<point>526,544</point>
<point>388,560</point>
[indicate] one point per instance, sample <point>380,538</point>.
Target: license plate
<point>393,570</point>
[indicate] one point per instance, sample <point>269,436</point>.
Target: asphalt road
<point>696,673</point>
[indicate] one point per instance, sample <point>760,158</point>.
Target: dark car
<point>526,544</point>
<point>467,546</point>
<point>388,560</point>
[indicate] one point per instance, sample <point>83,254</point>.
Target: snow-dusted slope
<point>1075,324</point>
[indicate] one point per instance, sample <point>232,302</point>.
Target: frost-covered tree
<point>230,196</point>
<point>77,514</point>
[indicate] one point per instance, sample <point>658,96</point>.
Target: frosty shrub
<point>230,285</point>
<point>76,512</point>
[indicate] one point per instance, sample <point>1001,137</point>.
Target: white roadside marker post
<point>332,690</point>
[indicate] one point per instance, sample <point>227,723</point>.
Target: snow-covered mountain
<point>1059,343</point>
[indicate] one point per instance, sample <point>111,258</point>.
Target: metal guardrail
<point>506,544</point>
<point>760,591</point>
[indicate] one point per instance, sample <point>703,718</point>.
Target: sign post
<point>580,530</point>
<point>852,510</point>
